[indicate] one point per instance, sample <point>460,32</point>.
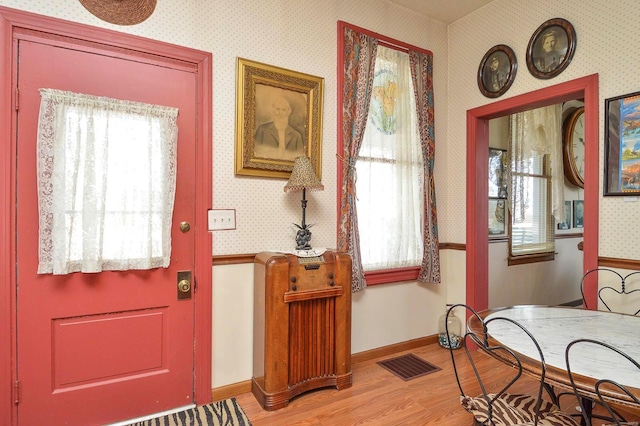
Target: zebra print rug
<point>221,413</point>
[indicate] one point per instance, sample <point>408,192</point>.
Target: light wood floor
<point>378,397</point>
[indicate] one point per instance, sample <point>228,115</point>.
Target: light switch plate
<point>222,219</point>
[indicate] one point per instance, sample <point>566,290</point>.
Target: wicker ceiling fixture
<point>120,12</point>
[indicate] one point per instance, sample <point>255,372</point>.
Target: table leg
<point>588,410</point>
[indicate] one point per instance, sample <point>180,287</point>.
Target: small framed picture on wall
<point>578,213</point>
<point>496,217</point>
<point>566,223</point>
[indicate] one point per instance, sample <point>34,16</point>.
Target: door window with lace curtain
<point>106,183</point>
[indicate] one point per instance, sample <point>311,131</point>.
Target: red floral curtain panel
<point>422,76</point>
<point>359,64</point>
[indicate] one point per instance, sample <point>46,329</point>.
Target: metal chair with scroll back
<point>499,407</point>
<point>604,387</point>
<point>615,299</point>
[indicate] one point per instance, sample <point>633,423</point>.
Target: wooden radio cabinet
<point>301,326</point>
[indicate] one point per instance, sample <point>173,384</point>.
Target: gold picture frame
<point>266,143</point>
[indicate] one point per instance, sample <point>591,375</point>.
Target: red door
<point>99,348</point>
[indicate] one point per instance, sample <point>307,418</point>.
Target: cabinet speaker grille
<point>311,339</point>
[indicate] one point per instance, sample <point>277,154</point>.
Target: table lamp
<point>302,178</point>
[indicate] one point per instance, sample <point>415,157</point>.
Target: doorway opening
<point>477,261</point>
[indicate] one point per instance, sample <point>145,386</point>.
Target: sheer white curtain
<point>106,183</point>
<point>537,133</point>
<point>390,162</point>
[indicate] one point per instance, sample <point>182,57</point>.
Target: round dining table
<point>554,327</point>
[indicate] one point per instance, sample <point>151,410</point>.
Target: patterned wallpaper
<point>606,31</point>
<point>301,35</point>
<point>295,34</point>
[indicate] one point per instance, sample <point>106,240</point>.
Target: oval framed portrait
<point>551,48</point>
<point>497,71</point>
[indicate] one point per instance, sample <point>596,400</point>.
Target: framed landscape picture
<point>622,145</point>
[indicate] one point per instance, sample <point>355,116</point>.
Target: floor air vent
<point>408,366</point>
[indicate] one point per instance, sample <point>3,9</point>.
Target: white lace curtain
<point>106,183</point>
<point>390,162</point>
<point>537,132</point>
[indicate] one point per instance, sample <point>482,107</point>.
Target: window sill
<point>530,258</point>
<point>392,275</point>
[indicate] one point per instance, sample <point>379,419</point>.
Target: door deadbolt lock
<point>184,285</point>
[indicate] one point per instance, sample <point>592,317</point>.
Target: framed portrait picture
<point>496,217</point>
<point>578,213</point>
<point>551,48</point>
<point>497,180</point>
<point>622,145</point>
<point>566,223</point>
<point>278,118</point>
<point>497,71</point>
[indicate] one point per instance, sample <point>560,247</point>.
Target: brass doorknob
<point>184,227</point>
<point>184,286</point>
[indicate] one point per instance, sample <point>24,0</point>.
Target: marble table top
<point>555,327</point>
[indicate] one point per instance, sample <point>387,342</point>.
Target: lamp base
<point>303,237</point>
